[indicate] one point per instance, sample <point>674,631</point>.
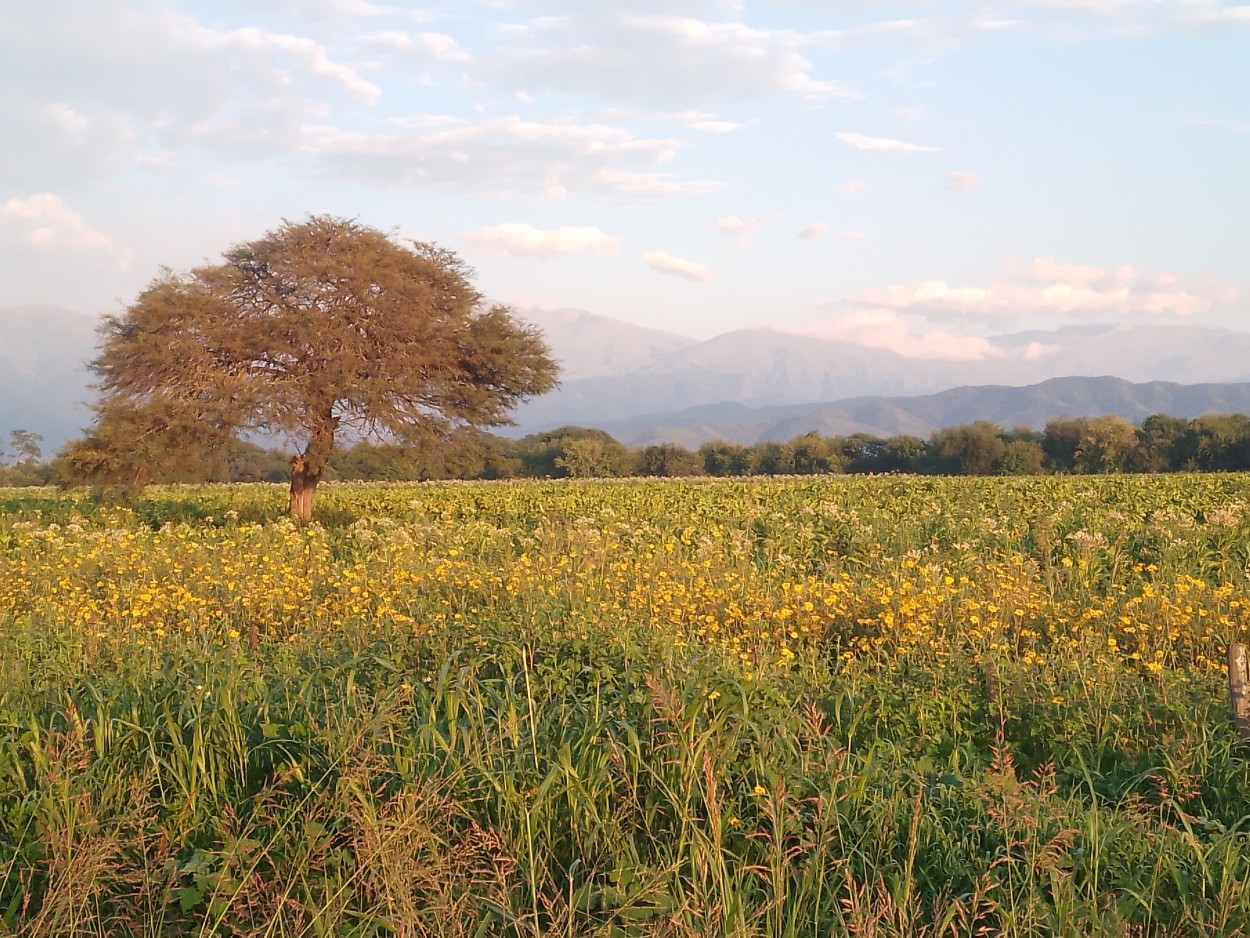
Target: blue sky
<point>915,174</point>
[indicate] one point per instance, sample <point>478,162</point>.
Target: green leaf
<point>189,897</point>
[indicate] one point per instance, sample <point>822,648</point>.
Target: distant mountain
<point>767,367</point>
<point>757,367</point>
<point>588,346</point>
<point>44,352</point>
<point>1184,354</point>
<point>651,384</point>
<point>1031,406</point>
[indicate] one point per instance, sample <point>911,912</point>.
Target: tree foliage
<point>318,329</point>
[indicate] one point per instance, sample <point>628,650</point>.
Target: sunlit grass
<point>886,706</point>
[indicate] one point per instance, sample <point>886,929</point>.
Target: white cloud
<point>817,229</point>
<point>333,8</point>
<point>668,264</point>
<point>733,225</point>
<point>311,55</point>
<point>958,181</point>
<point>686,59</point>
<point>704,121</point>
<point>632,183</point>
<point>855,185</point>
<point>47,223</point>
<point>1221,123</point>
<point>1145,17</point>
<point>520,240</point>
<point>503,155</point>
<point>433,47</point>
<point>115,84</point>
<point>852,235</point>
<point>883,144</point>
<point>1214,13</point>
<point>1048,287</point>
<point>66,118</point>
<point>709,126</point>
<point>1097,7</point>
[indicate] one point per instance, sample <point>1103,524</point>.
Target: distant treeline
<point>1072,445</point>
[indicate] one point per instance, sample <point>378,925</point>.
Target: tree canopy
<point>318,328</point>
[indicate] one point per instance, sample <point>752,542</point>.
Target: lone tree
<point>25,446</point>
<point>316,328</point>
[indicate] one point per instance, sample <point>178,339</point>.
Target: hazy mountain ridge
<point>765,367</point>
<point>751,384</point>
<point>587,345</point>
<point>1032,406</point>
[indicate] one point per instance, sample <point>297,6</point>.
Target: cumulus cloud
<point>742,227</point>
<point>505,154</point>
<point>852,187</point>
<point>710,125</point>
<point>703,121</point>
<point>45,222</point>
<point>311,55</point>
<point>690,60</point>
<point>937,33</point>
<point>1098,7</point>
<point>121,84</point>
<point>852,235</point>
<point>520,240</point>
<point>665,263</point>
<point>817,229</point>
<point>1145,17</point>
<point>1213,13</point>
<point>732,225</point>
<point>1221,123</point>
<point>429,47</point>
<point>1046,286</point>
<point>662,184</point>
<point>958,181</point>
<point>883,144</point>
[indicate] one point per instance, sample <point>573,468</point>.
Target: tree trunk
<point>303,487</point>
<point>1239,687</point>
<point>307,467</point>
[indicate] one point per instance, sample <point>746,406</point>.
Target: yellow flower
<point>759,789</point>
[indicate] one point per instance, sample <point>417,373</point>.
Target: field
<point>847,706</point>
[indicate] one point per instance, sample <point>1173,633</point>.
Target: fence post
<point>1239,687</point>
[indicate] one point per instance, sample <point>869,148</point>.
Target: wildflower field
<point>841,706</point>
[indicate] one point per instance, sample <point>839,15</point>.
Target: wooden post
<point>1239,687</point>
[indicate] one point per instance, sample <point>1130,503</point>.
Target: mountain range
<point>648,385</point>
<point>1031,406</point>
<point>762,368</point>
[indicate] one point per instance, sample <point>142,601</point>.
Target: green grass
<point>505,777</point>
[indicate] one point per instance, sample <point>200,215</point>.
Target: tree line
<point>1068,445</point>
<point>377,359</point>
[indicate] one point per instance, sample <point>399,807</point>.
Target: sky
<point>911,174</point>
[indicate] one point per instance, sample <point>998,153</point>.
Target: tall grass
<point>538,756</point>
